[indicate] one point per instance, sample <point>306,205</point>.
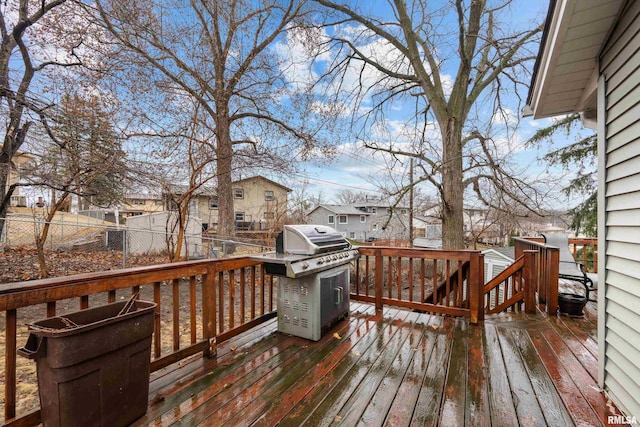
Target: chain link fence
<point>74,238</point>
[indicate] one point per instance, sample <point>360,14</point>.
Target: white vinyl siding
<point>620,66</point>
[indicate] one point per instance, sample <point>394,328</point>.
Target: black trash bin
<point>93,365</point>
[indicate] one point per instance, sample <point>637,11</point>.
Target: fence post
<point>124,248</point>
<point>530,282</point>
<point>378,279</point>
<point>476,287</point>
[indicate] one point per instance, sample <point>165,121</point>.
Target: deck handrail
<point>548,262</point>
<point>514,287</point>
<point>228,308</point>
<point>456,280</point>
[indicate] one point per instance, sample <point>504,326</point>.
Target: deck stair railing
<point>514,289</point>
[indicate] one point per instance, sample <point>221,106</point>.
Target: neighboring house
<point>203,204</point>
<point>19,160</point>
<point>259,204</point>
<point>428,232</point>
<point>352,222</point>
<point>140,203</point>
<point>477,222</point>
<point>368,220</point>
<point>589,62</point>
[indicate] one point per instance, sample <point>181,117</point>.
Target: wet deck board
<point>394,368</point>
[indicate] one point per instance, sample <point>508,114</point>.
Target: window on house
<point>352,235</point>
<point>240,216</point>
<point>213,203</point>
<point>238,193</point>
<point>158,202</point>
<point>374,211</point>
<point>342,219</point>
<point>138,202</point>
<point>363,218</point>
<point>332,219</point>
<point>403,211</point>
<point>268,195</point>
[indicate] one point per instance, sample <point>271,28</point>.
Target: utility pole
<point>411,202</point>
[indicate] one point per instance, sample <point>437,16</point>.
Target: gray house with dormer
<point>365,221</point>
<point>352,222</point>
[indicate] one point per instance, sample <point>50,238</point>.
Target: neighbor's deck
<point>393,368</point>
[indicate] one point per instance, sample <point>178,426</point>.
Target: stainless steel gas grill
<point>313,288</point>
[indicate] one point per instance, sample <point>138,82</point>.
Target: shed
<point>150,233</point>
<point>496,260</point>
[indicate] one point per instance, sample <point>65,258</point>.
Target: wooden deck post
<point>552,289</point>
<point>530,281</point>
<point>476,287</point>
<point>10,364</point>
<point>378,279</point>
<point>209,310</point>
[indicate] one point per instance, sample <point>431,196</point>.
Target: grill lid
<point>306,239</point>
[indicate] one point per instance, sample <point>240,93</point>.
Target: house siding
<point>620,232</point>
<point>353,229</point>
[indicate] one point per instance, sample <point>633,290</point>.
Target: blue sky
<point>359,169</point>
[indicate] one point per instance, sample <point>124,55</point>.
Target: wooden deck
<point>393,368</point>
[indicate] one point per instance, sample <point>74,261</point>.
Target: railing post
<point>10,365</point>
<point>476,287</point>
<point>209,310</point>
<point>378,279</point>
<point>552,284</point>
<point>530,281</point>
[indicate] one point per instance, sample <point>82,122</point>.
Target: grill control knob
<point>305,265</point>
<point>320,261</point>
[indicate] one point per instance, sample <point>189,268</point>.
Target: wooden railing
<point>202,303</point>
<point>547,266</point>
<point>446,282</point>
<point>515,287</point>
<point>585,251</point>
<point>222,298</point>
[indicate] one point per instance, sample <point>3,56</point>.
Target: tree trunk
<point>226,218</point>
<point>183,211</point>
<point>41,239</point>
<point>452,188</point>
<point>42,261</point>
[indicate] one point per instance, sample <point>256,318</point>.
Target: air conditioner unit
<point>19,201</point>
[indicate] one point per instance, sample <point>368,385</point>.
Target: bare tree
<point>220,54</point>
<point>301,201</point>
<point>347,197</point>
<point>19,66</point>
<point>403,56</point>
